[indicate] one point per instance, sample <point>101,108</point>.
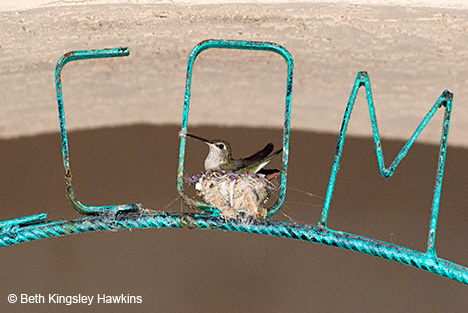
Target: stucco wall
<point>411,53</point>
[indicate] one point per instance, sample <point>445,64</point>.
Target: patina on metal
<point>240,45</point>
<point>445,101</point>
<point>68,57</point>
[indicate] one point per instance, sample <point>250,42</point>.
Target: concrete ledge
<point>412,54</point>
<point>15,5</point>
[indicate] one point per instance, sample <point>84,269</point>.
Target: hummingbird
<point>220,157</point>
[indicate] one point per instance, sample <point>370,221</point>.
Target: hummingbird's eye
<point>221,146</point>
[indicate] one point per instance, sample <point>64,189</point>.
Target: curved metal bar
<point>243,45</point>
<point>67,57</point>
<point>256,226</point>
<point>445,100</point>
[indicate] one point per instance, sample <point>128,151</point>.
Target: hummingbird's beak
<point>199,138</point>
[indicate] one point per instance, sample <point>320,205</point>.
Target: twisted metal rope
<point>121,220</point>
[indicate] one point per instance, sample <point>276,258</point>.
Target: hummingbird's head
<point>220,148</point>
<point>220,152</point>
<point>219,155</point>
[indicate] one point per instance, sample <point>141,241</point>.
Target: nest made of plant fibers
<point>234,193</point>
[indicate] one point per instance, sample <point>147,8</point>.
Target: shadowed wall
<point>181,270</point>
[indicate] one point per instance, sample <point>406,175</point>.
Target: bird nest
<point>234,194</point>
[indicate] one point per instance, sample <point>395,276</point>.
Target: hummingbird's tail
<point>254,158</point>
<point>257,166</point>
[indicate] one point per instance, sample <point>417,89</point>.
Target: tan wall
<point>411,54</point>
